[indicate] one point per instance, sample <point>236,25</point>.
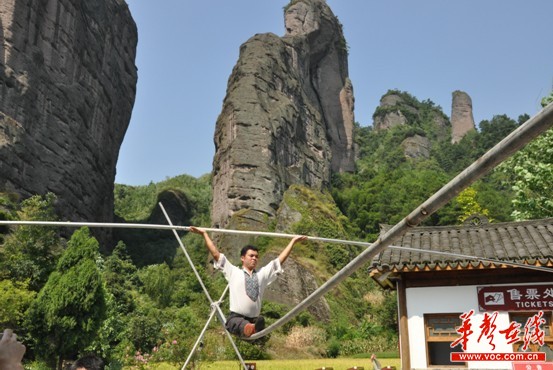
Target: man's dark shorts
<point>236,323</point>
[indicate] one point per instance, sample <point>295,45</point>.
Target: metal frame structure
<point>215,308</point>
<point>528,131</point>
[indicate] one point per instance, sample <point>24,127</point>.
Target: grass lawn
<point>310,364</point>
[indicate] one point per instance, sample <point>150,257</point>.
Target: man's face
<point>249,261</point>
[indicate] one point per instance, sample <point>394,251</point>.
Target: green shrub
<point>333,348</point>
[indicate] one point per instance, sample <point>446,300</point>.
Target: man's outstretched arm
<point>286,251</point>
<point>208,242</point>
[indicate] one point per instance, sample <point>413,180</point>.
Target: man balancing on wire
<point>247,284</point>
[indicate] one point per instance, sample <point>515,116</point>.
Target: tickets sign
<point>516,298</point>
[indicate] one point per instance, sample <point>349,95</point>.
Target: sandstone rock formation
<point>398,108</point>
<point>67,88</point>
<point>287,117</point>
<point>300,205</point>
<point>294,285</point>
<point>389,113</point>
<point>176,204</point>
<point>151,246</point>
<point>416,146</point>
<point>462,120</point>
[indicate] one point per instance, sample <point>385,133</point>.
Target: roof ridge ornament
<point>476,219</point>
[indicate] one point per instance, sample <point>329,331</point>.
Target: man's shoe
<point>249,330</point>
<point>259,324</point>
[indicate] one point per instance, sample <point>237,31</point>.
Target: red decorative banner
<point>533,366</point>
<point>516,298</point>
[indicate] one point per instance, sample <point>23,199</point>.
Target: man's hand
<point>298,238</point>
<point>196,230</point>
<point>286,252</point>
<point>208,242</point>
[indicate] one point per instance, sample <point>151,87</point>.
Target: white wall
<point>453,299</point>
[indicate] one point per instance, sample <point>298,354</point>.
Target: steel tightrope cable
<point>525,133</point>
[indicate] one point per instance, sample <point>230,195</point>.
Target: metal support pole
<point>516,140</point>
<point>258,233</point>
<point>175,227</point>
<point>200,337</point>
<point>214,306</point>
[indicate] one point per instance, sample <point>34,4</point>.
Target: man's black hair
<point>89,362</point>
<point>245,250</point>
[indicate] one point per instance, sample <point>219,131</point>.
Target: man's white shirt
<point>240,303</point>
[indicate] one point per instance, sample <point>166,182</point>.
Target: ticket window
<point>547,348</point>
<point>441,331</point>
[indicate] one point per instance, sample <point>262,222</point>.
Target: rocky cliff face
<point>302,208</point>
<point>294,285</point>
<point>67,88</point>
<point>390,112</point>
<point>416,146</point>
<point>287,117</point>
<point>462,120</point>
<point>397,109</point>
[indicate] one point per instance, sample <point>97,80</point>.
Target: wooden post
<point>405,353</point>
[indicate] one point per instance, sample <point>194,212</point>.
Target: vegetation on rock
<point>141,302</point>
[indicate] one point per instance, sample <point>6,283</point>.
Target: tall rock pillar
<point>462,120</point>
<point>67,88</point>
<point>287,117</point>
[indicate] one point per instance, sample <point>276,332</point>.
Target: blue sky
<point>495,50</point>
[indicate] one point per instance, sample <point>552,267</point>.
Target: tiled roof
<point>524,242</point>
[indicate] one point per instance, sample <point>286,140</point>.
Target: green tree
<point>16,299</point>
<point>469,205</point>
<point>145,325</point>
<point>120,276</point>
<point>8,205</point>
<point>71,307</point>
<point>30,252</point>
<point>495,196</point>
<point>547,100</point>
<point>388,196</point>
<point>492,132</point>
<point>530,173</point>
<point>158,283</point>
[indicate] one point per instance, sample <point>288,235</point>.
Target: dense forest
<point>137,302</point>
